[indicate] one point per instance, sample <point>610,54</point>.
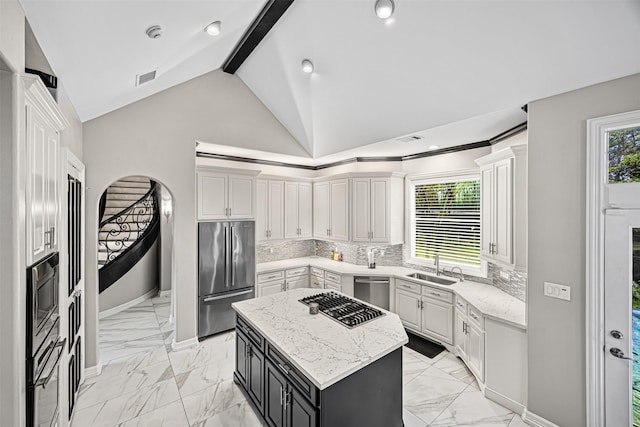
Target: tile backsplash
<point>511,282</point>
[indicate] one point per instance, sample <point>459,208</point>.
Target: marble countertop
<point>322,349</point>
<point>489,300</point>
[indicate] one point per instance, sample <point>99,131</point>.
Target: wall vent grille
<point>410,138</point>
<point>146,77</point>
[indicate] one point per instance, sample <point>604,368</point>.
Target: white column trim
<point>596,197</point>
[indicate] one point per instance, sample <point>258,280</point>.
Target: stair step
<point>112,211</point>
<point>132,225</point>
<point>135,178</point>
<point>131,184</point>
<point>133,235</point>
<point>125,196</point>
<point>114,203</point>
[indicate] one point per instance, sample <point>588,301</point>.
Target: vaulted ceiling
<point>451,71</point>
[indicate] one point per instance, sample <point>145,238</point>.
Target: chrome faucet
<point>459,271</point>
<point>436,258</point>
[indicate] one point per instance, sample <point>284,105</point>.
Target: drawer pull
<point>474,316</point>
<point>284,368</point>
<point>436,294</point>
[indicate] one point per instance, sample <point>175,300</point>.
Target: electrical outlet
<point>555,290</point>
<point>505,275</point>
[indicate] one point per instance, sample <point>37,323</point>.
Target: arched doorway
<point>135,249</point>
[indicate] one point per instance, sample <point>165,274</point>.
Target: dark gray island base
<point>283,397</point>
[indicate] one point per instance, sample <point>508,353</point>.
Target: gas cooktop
<point>345,310</point>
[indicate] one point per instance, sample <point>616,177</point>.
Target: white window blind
<point>447,221</point>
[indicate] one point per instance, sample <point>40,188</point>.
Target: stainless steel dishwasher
<point>374,290</point>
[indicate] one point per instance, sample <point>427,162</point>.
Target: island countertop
<point>321,348</point>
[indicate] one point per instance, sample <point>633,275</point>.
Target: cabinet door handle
<point>281,396</point>
<point>47,244</point>
<point>418,301</point>
<point>284,368</point>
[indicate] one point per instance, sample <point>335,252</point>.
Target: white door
<point>622,319</point>
<point>291,202</point>
<point>486,209</point>
<point>241,197</point>
<point>361,210</point>
<point>321,205</point>
<point>305,209</point>
<point>276,214</point>
<point>437,319</point>
<point>380,209</point>
<point>339,218</point>
<point>262,210</point>
<point>503,202</point>
<point>212,196</point>
<point>408,308</point>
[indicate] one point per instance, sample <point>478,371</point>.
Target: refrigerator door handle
<point>235,294</point>
<point>226,257</point>
<point>231,263</point>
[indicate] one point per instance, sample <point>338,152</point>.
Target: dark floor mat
<point>423,346</point>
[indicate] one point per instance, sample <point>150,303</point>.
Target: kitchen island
<point>304,370</point>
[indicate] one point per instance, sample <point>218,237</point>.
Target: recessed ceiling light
<point>214,28</point>
<point>434,147</point>
<point>307,66</point>
<point>384,8</point>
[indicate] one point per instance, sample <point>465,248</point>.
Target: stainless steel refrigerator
<point>226,272</point>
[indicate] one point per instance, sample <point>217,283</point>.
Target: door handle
<point>248,291</point>
<point>616,334</point>
<point>231,264</point>
<point>619,353</point>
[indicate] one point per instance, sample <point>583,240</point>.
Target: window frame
<point>437,178</point>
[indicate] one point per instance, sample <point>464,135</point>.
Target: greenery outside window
<point>445,219</point>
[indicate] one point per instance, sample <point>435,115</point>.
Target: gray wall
<point>156,137</point>
<point>557,188</point>
<point>138,281</point>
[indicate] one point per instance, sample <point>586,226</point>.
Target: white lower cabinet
<point>469,337</point>
<point>282,280</point>
<point>426,310</point>
<point>271,288</point>
<point>408,308</point>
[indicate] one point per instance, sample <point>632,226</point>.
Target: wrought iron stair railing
<point>124,238</point>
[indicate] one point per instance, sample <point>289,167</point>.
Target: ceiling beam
<point>266,19</point>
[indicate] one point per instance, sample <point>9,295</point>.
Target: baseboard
<point>184,345</point>
<point>503,400</point>
<point>93,371</point>
<point>122,307</point>
<point>165,293</point>
<point>536,420</point>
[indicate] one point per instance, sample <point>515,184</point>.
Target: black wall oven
<point>44,345</point>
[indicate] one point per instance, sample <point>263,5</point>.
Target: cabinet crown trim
<point>509,152</point>
<point>215,169</point>
<point>360,175</point>
<point>267,177</point>
<point>37,94</point>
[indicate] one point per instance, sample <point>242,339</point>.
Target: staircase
<point>129,225</point>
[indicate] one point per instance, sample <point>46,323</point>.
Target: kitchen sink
<point>432,279</point>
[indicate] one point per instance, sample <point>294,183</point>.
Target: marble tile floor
<point>145,384</point>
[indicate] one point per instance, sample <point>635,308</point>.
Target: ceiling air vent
<point>410,138</point>
<point>144,78</point>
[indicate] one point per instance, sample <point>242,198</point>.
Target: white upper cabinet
<point>378,209</point>
<point>225,194</point>
<point>270,215</point>
<point>298,210</point>
<point>331,209</point>
<point>321,205</point>
<point>43,123</point>
<point>503,176</point>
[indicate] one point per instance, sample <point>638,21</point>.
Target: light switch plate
<point>505,275</point>
<point>555,290</point>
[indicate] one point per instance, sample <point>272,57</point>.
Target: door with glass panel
<point>622,279</point>
<point>622,317</point>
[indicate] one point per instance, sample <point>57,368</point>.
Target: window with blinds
<point>446,220</point>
